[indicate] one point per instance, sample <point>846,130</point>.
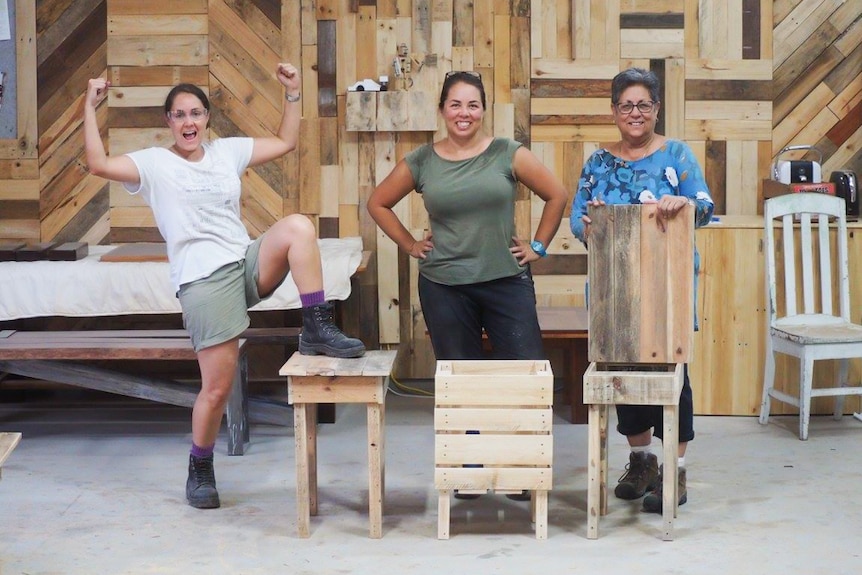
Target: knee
<point>216,395</point>
<point>298,226</point>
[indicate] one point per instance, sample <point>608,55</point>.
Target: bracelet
<point>292,99</point>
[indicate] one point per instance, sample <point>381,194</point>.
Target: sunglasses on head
<point>471,73</point>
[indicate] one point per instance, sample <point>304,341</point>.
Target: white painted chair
<point>801,320</point>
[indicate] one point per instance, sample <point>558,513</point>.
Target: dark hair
<point>467,77</point>
<point>186,89</point>
<point>635,77</point>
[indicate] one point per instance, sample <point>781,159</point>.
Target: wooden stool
<point>8,441</point>
<point>320,379</point>
<point>492,424</point>
<point>617,386</point>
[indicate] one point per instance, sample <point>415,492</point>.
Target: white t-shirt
<point>196,205</point>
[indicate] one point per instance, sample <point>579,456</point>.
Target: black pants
<point>635,419</point>
<point>504,308</point>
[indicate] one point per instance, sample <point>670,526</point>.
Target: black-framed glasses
<point>195,114</point>
<point>471,73</point>
<point>643,107</point>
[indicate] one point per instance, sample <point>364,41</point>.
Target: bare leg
<point>290,245</point>
<point>218,366</point>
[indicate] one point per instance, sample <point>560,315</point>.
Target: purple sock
<point>312,299</point>
<point>202,451</point>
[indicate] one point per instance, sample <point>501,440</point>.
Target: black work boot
<point>640,476</point>
<point>320,335</point>
<point>201,484</point>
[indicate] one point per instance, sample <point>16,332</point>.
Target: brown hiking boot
<point>640,476</point>
<point>653,501</point>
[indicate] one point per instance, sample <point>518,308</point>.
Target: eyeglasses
<point>195,114</point>
<point>627,107</point>
<point>472,73</point>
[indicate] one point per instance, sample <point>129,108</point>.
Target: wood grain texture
<point>717,95</point>
<point>641,289</point>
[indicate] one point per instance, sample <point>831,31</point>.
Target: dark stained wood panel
<point>86,218</point>
<point>19,209</point>
<point>73,51</point>
<point>643,20</point>
<point>269,8</point>
<point>327,105</point>
<point>55,20</point>
<point>847,126</point>
<point>715,173</point>
<point>149,117</point>
<point>570,120</point>
<point>728,90</point>
<point>569,88</point>
<point>751,29</point>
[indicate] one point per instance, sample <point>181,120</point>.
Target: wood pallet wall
<point>742,79</point>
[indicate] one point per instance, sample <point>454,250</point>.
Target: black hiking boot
<point>201,485</point>
<point>320,335</point>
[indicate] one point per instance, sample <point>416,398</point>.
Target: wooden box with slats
<point>493,421</point>
<point>641,285</point>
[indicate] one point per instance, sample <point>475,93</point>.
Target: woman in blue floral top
<point>644,167</point>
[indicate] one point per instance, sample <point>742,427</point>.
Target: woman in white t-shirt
<point>193,188</point>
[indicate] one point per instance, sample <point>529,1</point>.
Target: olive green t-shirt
<point>471,208</point>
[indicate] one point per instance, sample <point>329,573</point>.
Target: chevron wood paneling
<point>741,80</point>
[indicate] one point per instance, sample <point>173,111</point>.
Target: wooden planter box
<point>493,422</point>
<point>641,299</point>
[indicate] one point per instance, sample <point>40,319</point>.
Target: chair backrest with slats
<point>821,252</point>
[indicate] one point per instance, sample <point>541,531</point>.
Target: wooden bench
<point>8,441</point>
<point>57,356</point>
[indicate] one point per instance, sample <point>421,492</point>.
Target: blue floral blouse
<point>672,169</point>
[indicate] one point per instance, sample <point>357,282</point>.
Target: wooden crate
<point>641,282</point>
<point>493,423</point>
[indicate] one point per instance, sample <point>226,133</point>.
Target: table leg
<point>670,498</point>
<point>375,469</point>
<point>540,499</point>
<point>236,411</point>
<point>594,475</point>
<point>443,514</point>
<point>578,366</point>
<point>301,433</point>
<point>311,422</point>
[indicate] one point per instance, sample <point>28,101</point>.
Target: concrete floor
<point>96,486</point>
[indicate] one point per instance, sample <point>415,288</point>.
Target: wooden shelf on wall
<point>397,111</point>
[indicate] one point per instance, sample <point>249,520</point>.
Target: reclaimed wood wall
<point>742,79</point>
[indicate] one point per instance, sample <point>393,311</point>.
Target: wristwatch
<point>538,247</point>
<point>292,99</point>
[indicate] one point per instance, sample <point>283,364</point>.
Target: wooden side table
<point>319,379</point>
<point>612,386</point>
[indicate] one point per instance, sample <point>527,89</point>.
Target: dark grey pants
<point>504,308</point>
